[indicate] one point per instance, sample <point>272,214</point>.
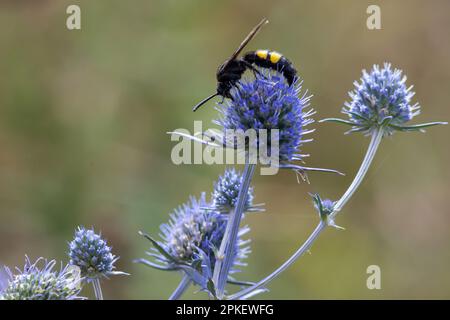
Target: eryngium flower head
<point>192,227</point>
<point>381,98</point>
<point>268,102</point>
<point>91,254</point>
<point>35,283</point>
<point>226,191</point>
<point>193,233</point>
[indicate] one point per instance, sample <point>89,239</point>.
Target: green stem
<point>377,135</point>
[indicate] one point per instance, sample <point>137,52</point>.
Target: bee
<point>231,71</point>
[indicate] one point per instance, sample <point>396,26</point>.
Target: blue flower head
<point>226,191</point>
<point>92,254</point>
<point>190,240</point>
<point>381,98</point>
<point>38,281</point>
<point>268,102</point>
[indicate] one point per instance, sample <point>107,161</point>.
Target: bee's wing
<point>248,38</point>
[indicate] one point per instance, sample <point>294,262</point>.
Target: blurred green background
<point>84,116</point>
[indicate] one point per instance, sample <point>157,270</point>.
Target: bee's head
<point>221,69</point>
<point>223,89</point>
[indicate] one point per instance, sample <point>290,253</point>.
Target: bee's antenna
<point>198,105</point>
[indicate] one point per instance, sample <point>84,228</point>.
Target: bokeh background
<point>84,116</point>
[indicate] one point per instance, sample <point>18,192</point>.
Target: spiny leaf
<point>342,121</point>
<point>360,129</point>
<point>154,265</point>
<point>195,276</point>
<point>240,283</point>
<point>158,247</point>
<point>318,201</point>
<point>417,127</point>
<point>357,115</point>
<point>197,264</point>
<point>212,288</point>
<point>302,169</point>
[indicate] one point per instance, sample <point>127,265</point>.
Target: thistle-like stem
<point>184,284</point>
<point>97,289</point>
<point>377,135</point>
<point>225,256</point>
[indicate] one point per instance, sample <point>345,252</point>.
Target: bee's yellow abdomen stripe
<point>262,54</point>
<point>275,57</point>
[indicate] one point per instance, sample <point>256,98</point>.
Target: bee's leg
<point>238,89</point>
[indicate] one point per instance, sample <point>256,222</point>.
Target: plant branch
<point>184,284</point>
<point>97,289</point>
<point>377,136</point>
<point>225,256</point>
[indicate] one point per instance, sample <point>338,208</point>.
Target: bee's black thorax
<point>228,74</point>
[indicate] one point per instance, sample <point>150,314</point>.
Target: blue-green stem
<point>225,256</point>
<point>376,138</point>
<point>97,289</point>
<point>377,135</point>
<point>184,284</point>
